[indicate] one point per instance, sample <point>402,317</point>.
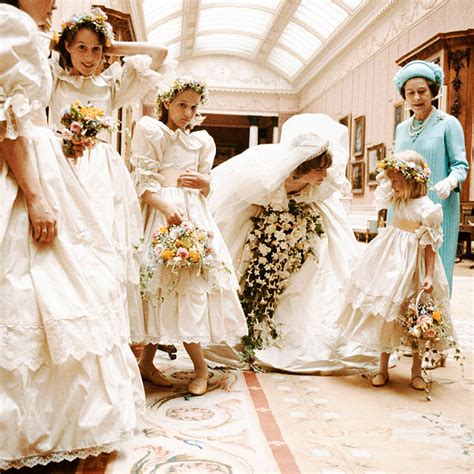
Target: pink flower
<point>67,134</point>
<point>210,234</point>
<point>158,249</point>
<point>182,253</point>
<point>187,226</point>
<point>430,333</point>
<point>76,127</point>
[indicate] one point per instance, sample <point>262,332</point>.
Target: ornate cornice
<point>386,26</point>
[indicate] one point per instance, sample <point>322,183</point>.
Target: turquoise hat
<point>418,68</point>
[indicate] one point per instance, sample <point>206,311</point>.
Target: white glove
<point>445,186</point>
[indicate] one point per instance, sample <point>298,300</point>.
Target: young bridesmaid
<point>395,266</point>
<point>83,42</point>
<point>172,176</point>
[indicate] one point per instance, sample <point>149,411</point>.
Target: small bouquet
<point>426,330</point>
<point>82,124</point>
<point>178,247</point>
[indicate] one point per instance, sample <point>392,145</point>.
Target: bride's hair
<point>319,162</point>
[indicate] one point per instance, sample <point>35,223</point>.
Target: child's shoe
<point>379,380</point>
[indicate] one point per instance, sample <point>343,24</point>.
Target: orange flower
<point>164,229</point>
<point>437,316</point>
<point>194,256</point>
<point>167,254</point>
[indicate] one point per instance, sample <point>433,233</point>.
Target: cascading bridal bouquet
<point>177,248</point>
<point>426,331</point>
<point>82,124</point>
<point>278,244</point>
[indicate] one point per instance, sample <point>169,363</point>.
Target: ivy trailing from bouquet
<point>278,244</point>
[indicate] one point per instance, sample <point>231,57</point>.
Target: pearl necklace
<point>415,130</point>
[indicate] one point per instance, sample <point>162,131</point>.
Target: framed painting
<point>358,136</point>
<point>398,115</point>
<point>375,154</point>
<point>347,121</point>
<point>357,177</point>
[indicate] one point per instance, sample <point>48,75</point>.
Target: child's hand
<point>194,180</point>
<point>172,215</point>
<point>428,284</point>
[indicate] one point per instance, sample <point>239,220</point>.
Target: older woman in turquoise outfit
<point>439,138</point>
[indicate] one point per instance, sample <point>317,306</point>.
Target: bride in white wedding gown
<point>310,303</point>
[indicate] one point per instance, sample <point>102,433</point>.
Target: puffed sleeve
<point>132,81</point>
<point>207,152</point>
<point>383,195</point>
<point>147,156</point>
<point>430,231</point>
<point>20,73</point>
<point>456,149</point>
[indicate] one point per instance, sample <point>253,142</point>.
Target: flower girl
<point>195,303</point>
<point>395,266</point>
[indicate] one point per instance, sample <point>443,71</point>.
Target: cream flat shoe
<point>198,386</point>
<point>418,382</point>
<point>379,380</point>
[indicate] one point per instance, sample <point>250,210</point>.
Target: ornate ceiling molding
<point>386,26</point>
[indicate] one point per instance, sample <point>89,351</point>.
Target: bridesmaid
<point>83,42</point>
<point>70,385</point>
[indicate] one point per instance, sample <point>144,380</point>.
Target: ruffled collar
<point>189,140</point>
<point>76,80</point>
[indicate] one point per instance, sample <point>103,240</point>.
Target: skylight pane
<point>288,64</point>
<point>174,50</point>
<point>233,19</point>
<point>154,13</point>
<point>268,4</point>
<point>226,42</point>
<point>166,32</point>
<point>322,16</point>
<point>352,4</point>
<point>300,40</point>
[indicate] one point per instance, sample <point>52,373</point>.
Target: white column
<point>253,130</point>
<point>275,137</point>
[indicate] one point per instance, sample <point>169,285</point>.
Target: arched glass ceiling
<point>284,34</point>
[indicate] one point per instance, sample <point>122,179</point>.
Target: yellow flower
<point>167,254</point>
<point>194,256</point>
<point>437,316</point>
<point>164,229</point>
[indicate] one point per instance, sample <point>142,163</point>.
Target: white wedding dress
<point>69,383</point>
<point>310,304</point>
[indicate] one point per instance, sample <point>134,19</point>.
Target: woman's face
<point>418,97</point>
<point>182,109</point>
<point>314,177</point>
<point>86,52</point>
<point>40,10</point>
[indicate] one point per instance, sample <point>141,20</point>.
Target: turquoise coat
<point>442,145</point>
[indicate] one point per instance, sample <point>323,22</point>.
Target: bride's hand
<point>43,220</point>
<point>194,180</point>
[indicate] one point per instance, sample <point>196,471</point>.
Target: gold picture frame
<point>346,120</point>
<point>358,136</point>
<point>398,115</point>
<point>375,154</point>
<point>357,177</point>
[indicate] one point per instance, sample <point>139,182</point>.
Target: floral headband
<point>96,18</point>
<point>410,170</point>
<point>166,94</point>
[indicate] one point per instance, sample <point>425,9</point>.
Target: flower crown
<point>96,18</point>
<point>409,169</point>
<point>166,93</point>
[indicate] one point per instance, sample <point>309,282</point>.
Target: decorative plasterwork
<point>383,29</point>
<point>248,103</point>
<point>235,74</point>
